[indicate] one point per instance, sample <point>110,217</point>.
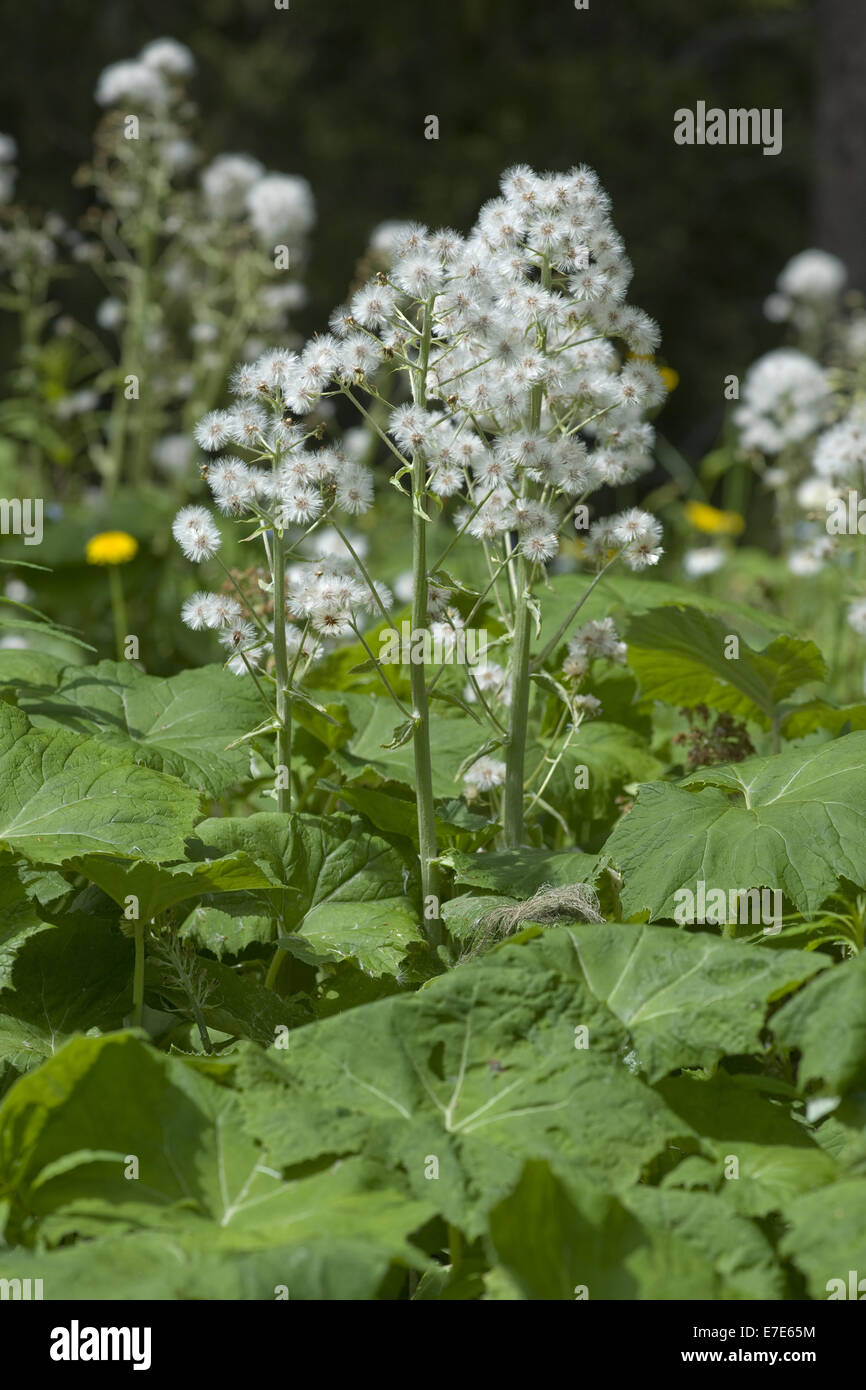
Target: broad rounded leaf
<point>794,822</point>
<point>827,1239</point>
<point>826,1021</point>
<point>678,655</point>
<point>352,893</point>
<point>687,1000</point>
<point>204,1188</point>
<point>158,886</point>
<point>480,1070</point>
<point>177,724</point>
<point>521,872</point>
<point>62,796</point>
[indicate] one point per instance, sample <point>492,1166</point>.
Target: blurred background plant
<point>198,261</point>
<point>793,456</point>
<point>156,262</point>
<point>192,258</point>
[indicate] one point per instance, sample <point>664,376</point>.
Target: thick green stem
<point>423,763</point>
<point>274,968</point>
<point>515,754</point>
<point>427,847</point>
<point>518,717</point>
<point>281,672</point>
<point>284,717</point>
<point>134,352</point>
<point>118,609</point>
<point>138,976</point>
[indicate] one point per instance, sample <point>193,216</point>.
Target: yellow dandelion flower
<point>111,548</point>
<point>712,521</point>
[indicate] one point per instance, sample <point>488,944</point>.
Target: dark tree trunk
<point>840,185</point>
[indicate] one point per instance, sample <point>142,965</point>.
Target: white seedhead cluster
<point>268,469</point>
<point>535,372</point>
<point>508,379</point>
<point>786,398</point>
<point>803,413</point>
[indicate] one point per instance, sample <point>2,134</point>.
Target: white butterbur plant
<point>526,380</point>
<point>803,421</point>
<point>200,261</point>
<point>799,420</point>
<point>831,500</point>
<point>269,472</point>
<point>593,640</point>
<point>212,251</point>
<point>786,398</point>
<point>530,379</point>
<point>807,295</point>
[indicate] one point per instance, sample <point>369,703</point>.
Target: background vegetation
<point>338,92</point>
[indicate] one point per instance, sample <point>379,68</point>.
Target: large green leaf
<point>376,934</point>
<point>702,1249</point>
<point>747,1119</point>
<point>520,872</point>
<point>62,980</point>
<point>345,1260</point>
<point>560,1242</point>
<point>34,671</point>
<point>687,1000</point>
<point>483,1068</point>
<point>794,822</point>
<point>229,928</point>
<point>678,655</point>
<point>159,886</point>
<point>97,1094</point>
<point>353,894</point>
<point>826,1021</point>
<point>827,1237</point>
<point>67,1133</point>
<point>818,714</point>
<point>62,795</point>
<point>563,1240</point>
<point>20,919</point>
<point>177,724</point>
<point>18,912</point>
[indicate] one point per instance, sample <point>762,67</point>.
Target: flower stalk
<point>138,976</point>
<point>512,804</point>
<point>427,847</point>
<point>518,720</point>
<point>281,674</point>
